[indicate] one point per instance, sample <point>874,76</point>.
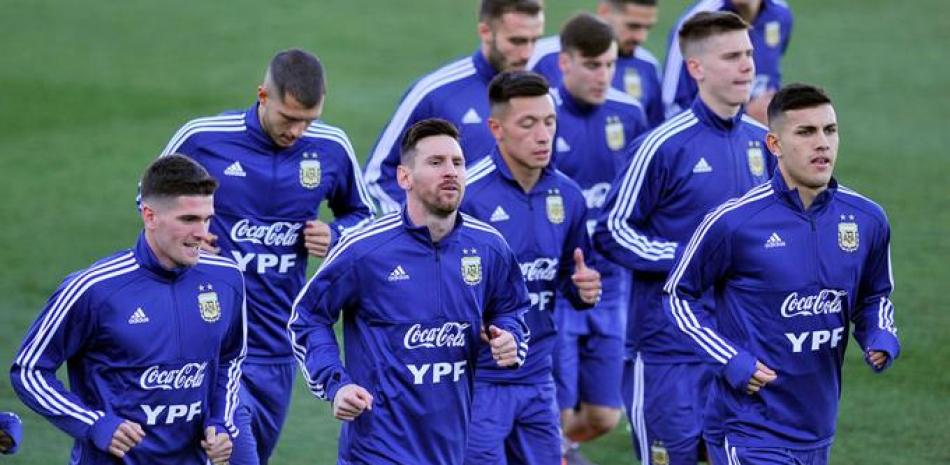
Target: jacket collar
<point>547,174</point>
<point>484,69</point>
<point>711,119</point>
<point>421,233</point>
<point>148,261</point>
<point>790,197</point>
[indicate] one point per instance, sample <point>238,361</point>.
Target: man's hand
<point>877,358</point>
<point>763,375</point>
<point>6,442</point>
<point>210,244</point>
<point>587,280</point>
<point>128,435</point>
<point>316,238</point>
<point>503,347</point>
<point>216,446</point>
<point>350,401</point>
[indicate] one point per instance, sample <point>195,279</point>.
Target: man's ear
<point>772,143</point>
<point>403,177</point>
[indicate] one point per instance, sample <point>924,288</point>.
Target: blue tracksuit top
<point>457,92</point>
<point>159,347</point>
<point>788,285</point>
<point>412,310</point>
<point>266,195</point>
<point>637,75</point>
<point>678,172</point>
<point>543,227</point>
<point>770,34</point>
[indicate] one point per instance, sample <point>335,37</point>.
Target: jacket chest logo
<point>554,206</point>
<point>613,129</point>
<point>773,33</point>
<point>756,159</point>
<point>208,304</point>
<point>848,237</point>
<point>471,267</point>
<point>631,83</point>
<point>310,171</point>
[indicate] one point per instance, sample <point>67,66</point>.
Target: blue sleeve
<point>576,237</point>
<point>61,331</point>
<point>349,200</point>
<point>508,300</point>
<point>620,233</point>
<point>11,425</point>
<point>873,318</point>
<point>224,398</point>
<point>380,171</point>
<point>654,105</point>
<point>313,314</point>
<point>705,261</point>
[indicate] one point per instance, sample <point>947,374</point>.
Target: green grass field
<point>93,90</point>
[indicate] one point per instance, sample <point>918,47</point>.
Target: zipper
<point>438,276</point>
<point>813,241</point>
<point>177,320</point>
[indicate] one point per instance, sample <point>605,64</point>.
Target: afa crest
<point>614,131</point>
<point>631,83</point>
<point>554,206</point>
<point>848,237</point>
<point>773,33</point>
<point>659,454</point>
<point>310,171</point>
<point>756,161</point>
<point>472,269</point>
<point>208,304</point>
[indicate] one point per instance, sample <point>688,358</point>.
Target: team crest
<point>756,161</point>
<point>658,454</point>
<point>208,304</point>
<point>631,83</point>
<point>773,33</point>
<point>310,171</point>
<point>472,269</point>
<point>848,238</point>
<point>614,131</point>
<point>554,206</point>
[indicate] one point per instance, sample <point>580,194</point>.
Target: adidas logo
<point>138,317</point>
<point>774,241</point>
<point>235,170</point>
<point>398,274</point>
<point>561,145</point>
<point>499,215</point>
<point>471,117</point>
<point>702,166</point>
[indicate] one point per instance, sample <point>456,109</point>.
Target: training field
<point>91,91</point>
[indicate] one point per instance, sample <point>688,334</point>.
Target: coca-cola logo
<point>450,334</point>
<point>541,269</point>
<point>189,376</point>
<point>826,301</point>
<point>280,233</point>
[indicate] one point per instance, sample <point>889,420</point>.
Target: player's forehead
<point>539,106</point>
<point>816,116</point>
<point>638,14</point>
<point>727,43</point>
<point>288,105</point>
<point>439,146</point>
<point>608,55</point>
<point>514,23</point>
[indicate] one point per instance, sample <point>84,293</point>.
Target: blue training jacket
<point>457,92</point>
<point>678,172</point>
<point>788,284</point>
<point>159,347</point>
<point>266,195</point>
<point>543,227</point>
<point>412,310</point>
<point>637,75</point>
<point>770,34</point>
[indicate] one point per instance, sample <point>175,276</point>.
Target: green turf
<point>93,90</point>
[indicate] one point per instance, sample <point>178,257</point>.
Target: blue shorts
<point>738,455</point>
<point>665,404</point>
<point>588,368</point>
<point>514,424</point>
<point>264,400</point>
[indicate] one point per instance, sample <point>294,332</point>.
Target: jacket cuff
<point>739,370</point>
<point>219,427</point>
<point>101,432</point>
<point>885,342</point>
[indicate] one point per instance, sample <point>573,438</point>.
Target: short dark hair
<point>510,84</point>
<point>587,34</point>
<point>426,128</point>
<point>795,96</point>
<point>706,24</point>
<point>174,176</point>
<point>494,9</point>
<point>618,4</point>
<point>298,73</point>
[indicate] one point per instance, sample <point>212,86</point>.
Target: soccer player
<point>596,123</point>
<point>541,213</point>
<point>637,70</point>
<point>508,30</point>
<point>415,289</point>
<point>152,337</point>
<point>276,163</point>
<point>792,264</point>
<point>679,171</point>
<point>770,33</point>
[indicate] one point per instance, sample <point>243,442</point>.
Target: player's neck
<point>723,110</point>
<point>163,259</point>
<point>749,11</point>
<point>525,176</point>
<point>438,225</point>
<point>806,194</point>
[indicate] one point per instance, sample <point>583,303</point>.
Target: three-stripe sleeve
<point>874,326</point>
